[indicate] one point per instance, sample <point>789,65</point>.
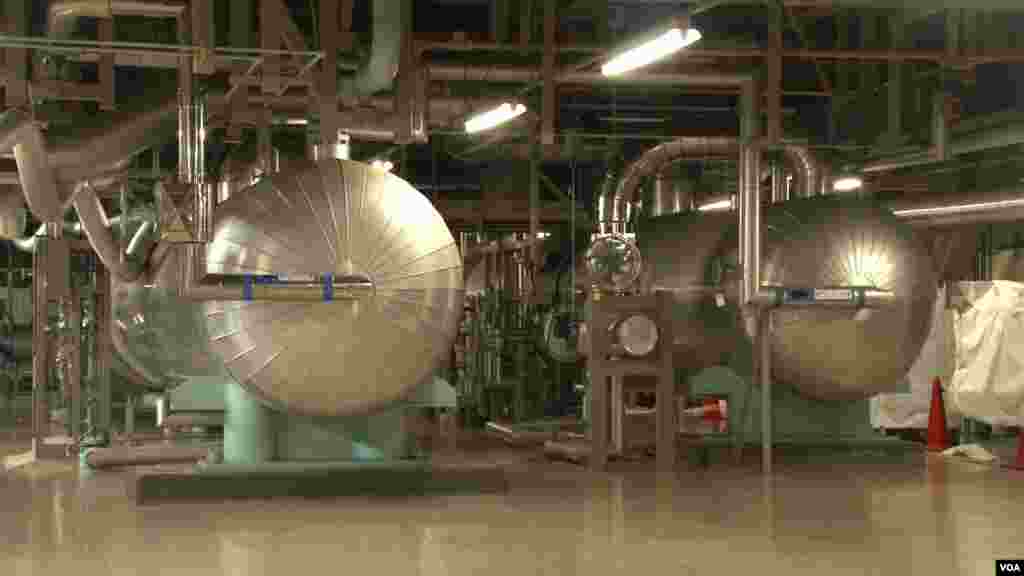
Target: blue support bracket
<point>328,287</point>
<point>247,283</point>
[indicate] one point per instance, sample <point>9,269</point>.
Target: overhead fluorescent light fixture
<point>960,208</point>
<point>717,206</point>
<point>297,122</point>
<point>495,117</point>
<point>848,184</point>
<point>649,52</point>
<point>385,165</point>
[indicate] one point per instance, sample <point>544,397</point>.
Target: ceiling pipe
<point>809,173</point>
<point>986,207</point>
<point>63,16</point>
<point>53,176</point>
<point>379,71</point>
<point>997,137</point>
<point>455,73</point>
<point>928,6</point>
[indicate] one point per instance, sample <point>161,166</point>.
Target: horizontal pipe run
<point>281,292</point>
<point>937,56</point>
<point>99,458</point>
<point>846,298</point>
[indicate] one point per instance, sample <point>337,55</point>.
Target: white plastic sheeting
<point>910,410</point>
<point>988,383</point>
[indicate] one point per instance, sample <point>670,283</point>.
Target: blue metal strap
<point>247,288</point>
<point>328,287</point>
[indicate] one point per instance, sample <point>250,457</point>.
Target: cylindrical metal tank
<point>335,358</point>
<point>317,358</point>
<point>825,354</point>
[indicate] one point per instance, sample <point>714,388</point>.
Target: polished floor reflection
<point>860,514</point>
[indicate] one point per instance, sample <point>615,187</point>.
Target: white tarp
<point>988,383</point>
<point>910,410</point>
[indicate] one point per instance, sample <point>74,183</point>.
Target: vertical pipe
<point>129,414</point>
<point>765,368</point>
<point>549,107</point>
<point>778,177</point>
<point>534,203</point>
<point>103,313</point>
<point>750,194</point>
<point>615,412</point>
<point>773,89</point>
<point>249,436</point>
<point>895,86</point>
<point>74,366</point>
<point>328,80</point>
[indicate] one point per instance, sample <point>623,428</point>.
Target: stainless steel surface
<point>669,196</point>
<point>828,354</point>
<point>332,358</point>
<point>637,334</point>
<point>97,229</point>
<point>807,170</point>
<point>613,263</point>
<point>378,73</point>
<point>750,236</point>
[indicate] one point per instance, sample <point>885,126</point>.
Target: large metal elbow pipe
<point>97,230</point>
<point>379,71</point>
<point>63,16</point>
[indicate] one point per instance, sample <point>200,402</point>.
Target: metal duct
<point>28,244</point>
<point>379,71</point>
<point>809,173</point>
<point>63,16</point>
<point>97,229</point>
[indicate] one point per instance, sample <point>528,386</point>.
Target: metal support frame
<point>604,309</point>
<point>102,351</point>
<point>51,284</point>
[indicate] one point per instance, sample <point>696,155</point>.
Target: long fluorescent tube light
<point>668,43</point>
<point>716,206</point>
<point>297,122</point>
<point>959,208</point>
<point>495,117</point>
<point>848,184</point>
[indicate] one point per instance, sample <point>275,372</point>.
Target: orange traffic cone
<point>938,433</point>
<point>1019,463</point>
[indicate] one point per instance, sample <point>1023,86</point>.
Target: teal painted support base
<point>249,431</point>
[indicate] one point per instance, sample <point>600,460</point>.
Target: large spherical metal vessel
<point>827,354</point>
<point>339,357</point>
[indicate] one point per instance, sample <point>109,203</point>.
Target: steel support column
<point>327,86</point>
<point>549,106</point>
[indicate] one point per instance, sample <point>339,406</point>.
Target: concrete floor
<point>852,514</point>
